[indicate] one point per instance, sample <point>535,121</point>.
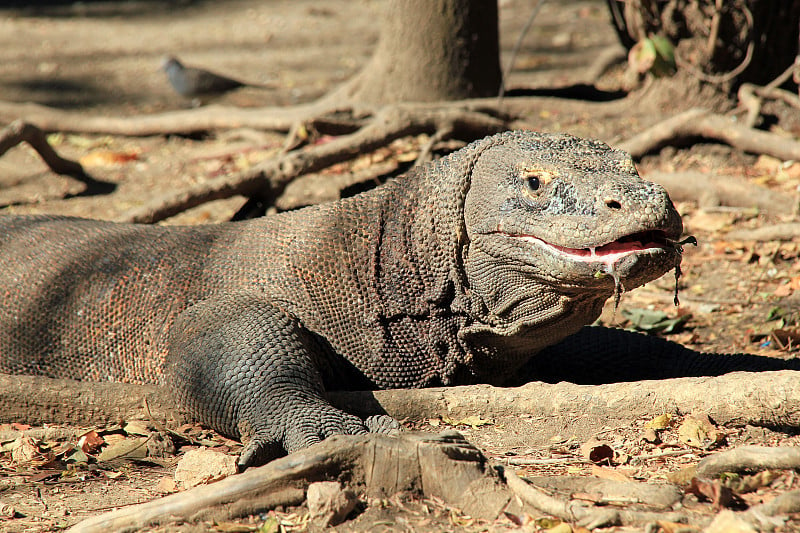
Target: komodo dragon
<point>459,272</point>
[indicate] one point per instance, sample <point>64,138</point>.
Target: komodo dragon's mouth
<point>610,253</point>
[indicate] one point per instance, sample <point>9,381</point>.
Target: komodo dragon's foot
<point>312,426</point>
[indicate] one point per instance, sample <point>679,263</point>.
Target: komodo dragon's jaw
<point>569,213</point>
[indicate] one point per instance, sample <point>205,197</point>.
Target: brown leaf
<point>712,490</point>
<point>745,484</point>
<point>683,476</point>
<point>131,448</point>
<point>698,431</point>
<point>90,442</point>
<point>597,452</point>
<point>100,158</point>
<point>29,451</point>
<point>137,427</point>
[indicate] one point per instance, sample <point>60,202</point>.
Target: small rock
<point>203,466</point>
<point>328,503</point>
<point>166,485</point>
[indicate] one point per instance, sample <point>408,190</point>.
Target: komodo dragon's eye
<point>535,179</point>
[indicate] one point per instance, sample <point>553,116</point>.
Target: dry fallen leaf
<point>712,490</point>
<point>683,476</point>
<point>660,422</point>
<point>90,442</point>
<point>29,451</point>
<point>745,484</point>
<point>131,448</point>
<point>597,452</point>
<point>698,431</point>
<point>102,158</point>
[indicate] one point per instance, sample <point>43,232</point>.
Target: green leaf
<point>653,321</point>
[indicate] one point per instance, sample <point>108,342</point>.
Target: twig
<point>20,131</point>
<point>515,50</point>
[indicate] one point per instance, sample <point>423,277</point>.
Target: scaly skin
<point>459,272</point>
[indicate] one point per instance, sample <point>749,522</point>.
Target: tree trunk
<point>431,50</point>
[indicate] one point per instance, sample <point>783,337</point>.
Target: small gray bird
<point>199,84</point>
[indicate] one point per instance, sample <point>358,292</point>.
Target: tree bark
<point>431,50</point>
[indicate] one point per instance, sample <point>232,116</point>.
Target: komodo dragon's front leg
<point>242,365</point>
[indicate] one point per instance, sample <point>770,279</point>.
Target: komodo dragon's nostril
<point>612,204</point>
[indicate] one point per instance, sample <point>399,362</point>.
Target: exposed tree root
<point>587,515</point>
<point>448,468</point>
<point>364,130</point>
<point>776,232</point>
<point>611,492</point>
<point>786,503</point>
<point>704,124</point>
<point>709,190</point>
<point>765,398</point>
<point>752,458</point>
<point>270,177</point>
<point>751,96</point>
<point>183,122</point>
<point>19,131</point>
<point>444,466</point>
<point>327,111</point>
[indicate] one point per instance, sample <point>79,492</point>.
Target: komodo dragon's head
<point>565,213</point>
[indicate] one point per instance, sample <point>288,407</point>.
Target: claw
<point>258,451</point>
<point>382,424</point>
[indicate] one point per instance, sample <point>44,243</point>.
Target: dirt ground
<point>102,58</point>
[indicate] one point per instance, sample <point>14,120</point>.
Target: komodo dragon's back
<point>460,271</point>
